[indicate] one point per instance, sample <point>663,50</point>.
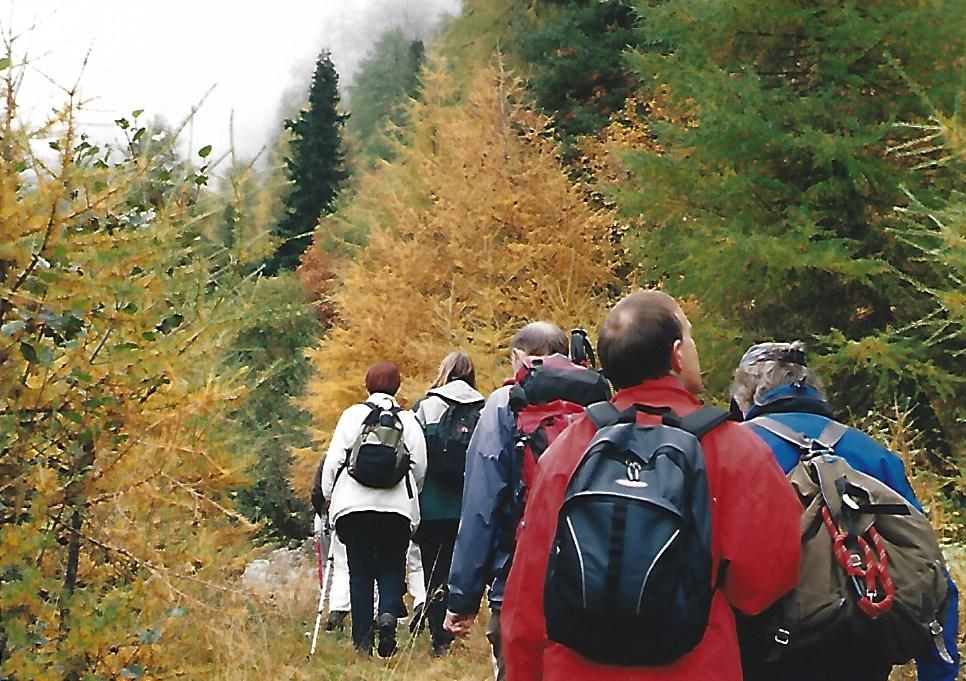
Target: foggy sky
<point>162,56</point>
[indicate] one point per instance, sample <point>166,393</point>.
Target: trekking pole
<point>325,576</point>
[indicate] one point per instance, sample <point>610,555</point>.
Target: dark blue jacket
<point>803,410</point>
<point>489,515</point>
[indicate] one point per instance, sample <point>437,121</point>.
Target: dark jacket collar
<point>790,398</point>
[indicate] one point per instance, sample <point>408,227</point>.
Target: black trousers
<point>436,539</point>
<point>375,546</point>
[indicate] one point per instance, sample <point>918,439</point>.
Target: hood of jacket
<point>457,391</point>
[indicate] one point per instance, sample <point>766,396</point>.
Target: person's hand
<point>458,625</point>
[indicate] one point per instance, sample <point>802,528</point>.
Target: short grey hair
<point>752,381</point>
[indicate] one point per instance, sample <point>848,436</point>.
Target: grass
<point>270,638</point>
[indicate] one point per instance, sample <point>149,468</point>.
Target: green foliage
<point>271,348</point>
<point>575,53</point>
<point>768,194</point>
<point>385,80</point>
<point>484,27</point>
<point>315,167</point>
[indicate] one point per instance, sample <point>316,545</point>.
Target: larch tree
<point>473,230</point>
<point>118,462</point>
<point>315,166</point>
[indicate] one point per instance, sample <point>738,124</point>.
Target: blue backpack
<point>629,575</point>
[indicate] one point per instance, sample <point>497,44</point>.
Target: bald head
<point>637,338</point>
<point>539,339</point>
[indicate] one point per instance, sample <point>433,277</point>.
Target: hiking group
<point>638,535</point>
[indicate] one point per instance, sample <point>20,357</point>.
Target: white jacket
<point>345,494</point>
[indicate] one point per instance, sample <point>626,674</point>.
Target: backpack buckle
<point>783,637</point>
<point>816,448</point>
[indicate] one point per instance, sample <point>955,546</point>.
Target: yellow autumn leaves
<point>474,229</point>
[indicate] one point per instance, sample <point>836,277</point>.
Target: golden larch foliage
<point>474,230</point>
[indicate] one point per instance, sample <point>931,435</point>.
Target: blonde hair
<point>455,366</point>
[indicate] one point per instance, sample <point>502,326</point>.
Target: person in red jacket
<point>646,349</point>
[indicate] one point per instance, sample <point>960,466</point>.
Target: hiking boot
<point>386,626</point>
<point>336,620</point>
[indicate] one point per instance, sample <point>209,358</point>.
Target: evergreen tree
<point>578,70</point>
<point>272,349</point>
<point>315,166</point>
<point>385,80</point>
<point>269,350</point>
<point>767,192</point>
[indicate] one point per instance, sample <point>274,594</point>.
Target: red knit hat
<point>383,377</point>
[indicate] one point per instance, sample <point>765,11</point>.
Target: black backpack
<point>447,440</point>
<point>378,457</point>
<point>629,576</point>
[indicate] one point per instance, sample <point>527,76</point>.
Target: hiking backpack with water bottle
<point>873,587</point>
<point>378,457</point>
<point>629,577</point>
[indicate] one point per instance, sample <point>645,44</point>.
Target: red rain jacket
<point>754,530</point>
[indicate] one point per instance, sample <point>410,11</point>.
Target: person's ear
<point>517,358</point>
<point>677,363</point>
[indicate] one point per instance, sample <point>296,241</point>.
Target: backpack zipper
<point>647,575</point>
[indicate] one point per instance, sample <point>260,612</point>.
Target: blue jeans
<point>375,545</point>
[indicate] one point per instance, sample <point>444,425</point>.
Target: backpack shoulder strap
<point>779,429</point>
<point>827,439</point>
<point>831,434</point>
<point>448,400</point>
<point>602,414</point>
<point>374,410</point>
<point>701,422</point>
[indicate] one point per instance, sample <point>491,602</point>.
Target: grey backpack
<point>872,584</point>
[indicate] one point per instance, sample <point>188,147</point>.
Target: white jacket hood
<point>431,408</point>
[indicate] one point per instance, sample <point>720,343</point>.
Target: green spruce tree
<point>385,80</point>
<point>578,72</point>
<point>272,349</point>
<point>315,166</point>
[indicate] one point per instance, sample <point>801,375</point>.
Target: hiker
<point>371,476</point>
<point>448,413</point>
<point>781,399</point>
<point>738,525</point>
<point>502,451</point>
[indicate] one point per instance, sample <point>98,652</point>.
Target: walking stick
<point>325,576</point>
